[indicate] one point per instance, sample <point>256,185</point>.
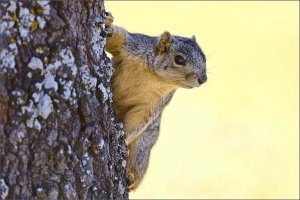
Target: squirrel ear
<point>193,38</point>
<point>164,43</point>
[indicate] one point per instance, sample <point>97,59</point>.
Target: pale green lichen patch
<point>97,42</point>
<point>12,7</point>
<point>25,22</point>
<point>106,91</point>
<point>7,21</point>
<point>68,89</point>
<point>41,103</point>
<point>7,58</point>
<point>41,22</point>
<point>4,189</point>
<point>6,25</point>
<point>17,94</point>
<point>49,81</point>
<point>7,31</point>
<point>36,63</point>
<point>27,19</point>
<point>43,108</point>
<point>98,70</point>
<point>89,81</point>
<point>68,59</point>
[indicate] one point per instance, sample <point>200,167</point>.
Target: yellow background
<point>237,136</point>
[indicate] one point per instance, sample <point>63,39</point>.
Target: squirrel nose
<point>202,79</point>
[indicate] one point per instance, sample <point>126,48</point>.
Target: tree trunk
<point>58,135</point>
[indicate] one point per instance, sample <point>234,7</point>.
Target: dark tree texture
<point>58,135</point>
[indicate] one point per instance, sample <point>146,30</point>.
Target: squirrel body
<point>137,93</point>
<point>148,70</point>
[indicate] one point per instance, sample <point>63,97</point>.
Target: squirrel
<point>148,70</point>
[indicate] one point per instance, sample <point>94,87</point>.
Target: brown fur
<point>137,92</point>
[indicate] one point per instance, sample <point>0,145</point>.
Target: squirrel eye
<point>179,60</point>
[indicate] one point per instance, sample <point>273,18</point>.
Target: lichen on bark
<point>58,135</point>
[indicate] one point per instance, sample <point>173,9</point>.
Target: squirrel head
<point>180,61</point>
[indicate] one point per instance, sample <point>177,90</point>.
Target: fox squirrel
<point>148,70</point>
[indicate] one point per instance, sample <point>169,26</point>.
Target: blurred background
<point>237,136</point>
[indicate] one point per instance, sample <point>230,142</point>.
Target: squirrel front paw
<point>133,184</point>
<point>109,23</point>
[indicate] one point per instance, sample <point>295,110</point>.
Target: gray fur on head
<point>192,72</point>
<point>159,55</point>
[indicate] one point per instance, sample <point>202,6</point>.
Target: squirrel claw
<point>132,185</point>
<point>108,21</point>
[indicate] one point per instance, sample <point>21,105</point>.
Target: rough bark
<point>58,135</point>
